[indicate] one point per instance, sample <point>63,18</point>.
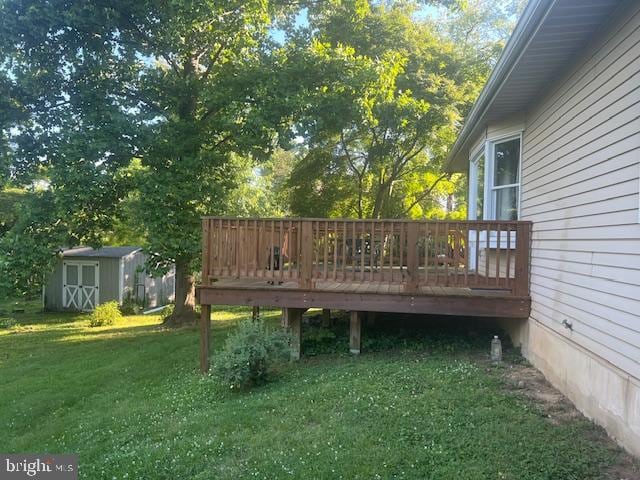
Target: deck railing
<point>415,254</point>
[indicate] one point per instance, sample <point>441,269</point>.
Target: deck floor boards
<point>353,287</point>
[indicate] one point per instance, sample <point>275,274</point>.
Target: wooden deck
<point>470,268</point>
<point>367,297</point>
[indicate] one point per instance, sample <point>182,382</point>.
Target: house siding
<point>513,125</point>
<point>580,188</point>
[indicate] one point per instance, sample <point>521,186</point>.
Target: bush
<point>7,322</point>
<point>250,353</point>
<point>105,314</point>
<point>167,312</point>
<point>130,306</point>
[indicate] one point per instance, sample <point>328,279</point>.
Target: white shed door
<point>80,285</point>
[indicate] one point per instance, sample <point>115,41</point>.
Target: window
<point>494,181</point>
<point>505,189</point>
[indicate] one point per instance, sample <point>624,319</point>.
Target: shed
<point>85,277</point>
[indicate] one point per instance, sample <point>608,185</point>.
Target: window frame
<point>488,149</point>
<point>472,213</point>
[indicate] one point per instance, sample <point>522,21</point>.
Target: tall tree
<point>152,96</point>
<point>391,93</point>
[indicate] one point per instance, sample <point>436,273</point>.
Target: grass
<point>128,399</point>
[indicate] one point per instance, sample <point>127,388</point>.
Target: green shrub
<point>105,314</point>
<point>7,322</point>
<point>130,306</point>
<point>167,312</point>
<point>250,353</point>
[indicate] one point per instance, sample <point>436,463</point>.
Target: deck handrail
<point>300,252</point>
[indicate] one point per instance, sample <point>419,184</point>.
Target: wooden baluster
<point>299,252</point>
<point>436,248</point>
<point>412,257</point>
<point>372,236</point>
<point>353,252</point>
<point>392,244</point>
<point>344,250</point>
<point>487,253</point>
<point>214,246</point>
<point>455,251</point>
<point>219,247</point>
<point>381,256</point>
<point>231,240</point>
<point>326,251</point>
<point>316,246</point>
<point>401,250</point>
<point>272,250</point>
<point>508,259</point>
<point>240,255</point>
<point>335,250</point>
<point>477,253</point>
<point>206,240</point>
<point>465,253</point>
<point>290,249</point>
<point>223,256</point>
<point>280,250</point>
<point>426,253</point>
<point>239,240</point>
<point>245,247</point>
<point>447,258</point>
<point>254,248</point>
<point>306,254</point>
<point>362,249</point>
<point>498,254</point>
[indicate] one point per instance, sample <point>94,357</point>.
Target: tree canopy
<point>145,101</point>
<point>128,121</point>
<point>387,95</point>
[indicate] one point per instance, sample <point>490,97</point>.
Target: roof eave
<point>530,21</point>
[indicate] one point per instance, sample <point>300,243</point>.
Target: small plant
<point>167,312</point>
<point>130,306</point>
<point>105,314</point>
<point>250,353</point>
<point>7,322</point>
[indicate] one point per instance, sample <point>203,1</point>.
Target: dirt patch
<point>524,380</point>
<point>530,383</point>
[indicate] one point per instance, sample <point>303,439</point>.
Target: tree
<point>26,246</point>
<point>147,96</point>
<point>393,92</point>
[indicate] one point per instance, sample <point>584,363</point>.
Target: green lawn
<point>128,399</point>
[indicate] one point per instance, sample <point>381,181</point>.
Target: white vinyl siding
<point>580,187</point>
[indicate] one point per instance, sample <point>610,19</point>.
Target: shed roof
<point>104,252</point>
<point>543,45</point>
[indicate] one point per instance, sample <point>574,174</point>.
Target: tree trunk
<point>185,301</point>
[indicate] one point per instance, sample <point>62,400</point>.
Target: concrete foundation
<point>602,392</point>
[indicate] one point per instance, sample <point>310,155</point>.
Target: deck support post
<point>292,320</point>
<point>326,317</point>
<point>255,313</point>
<point>355,329</point>
<point>205,333</point>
